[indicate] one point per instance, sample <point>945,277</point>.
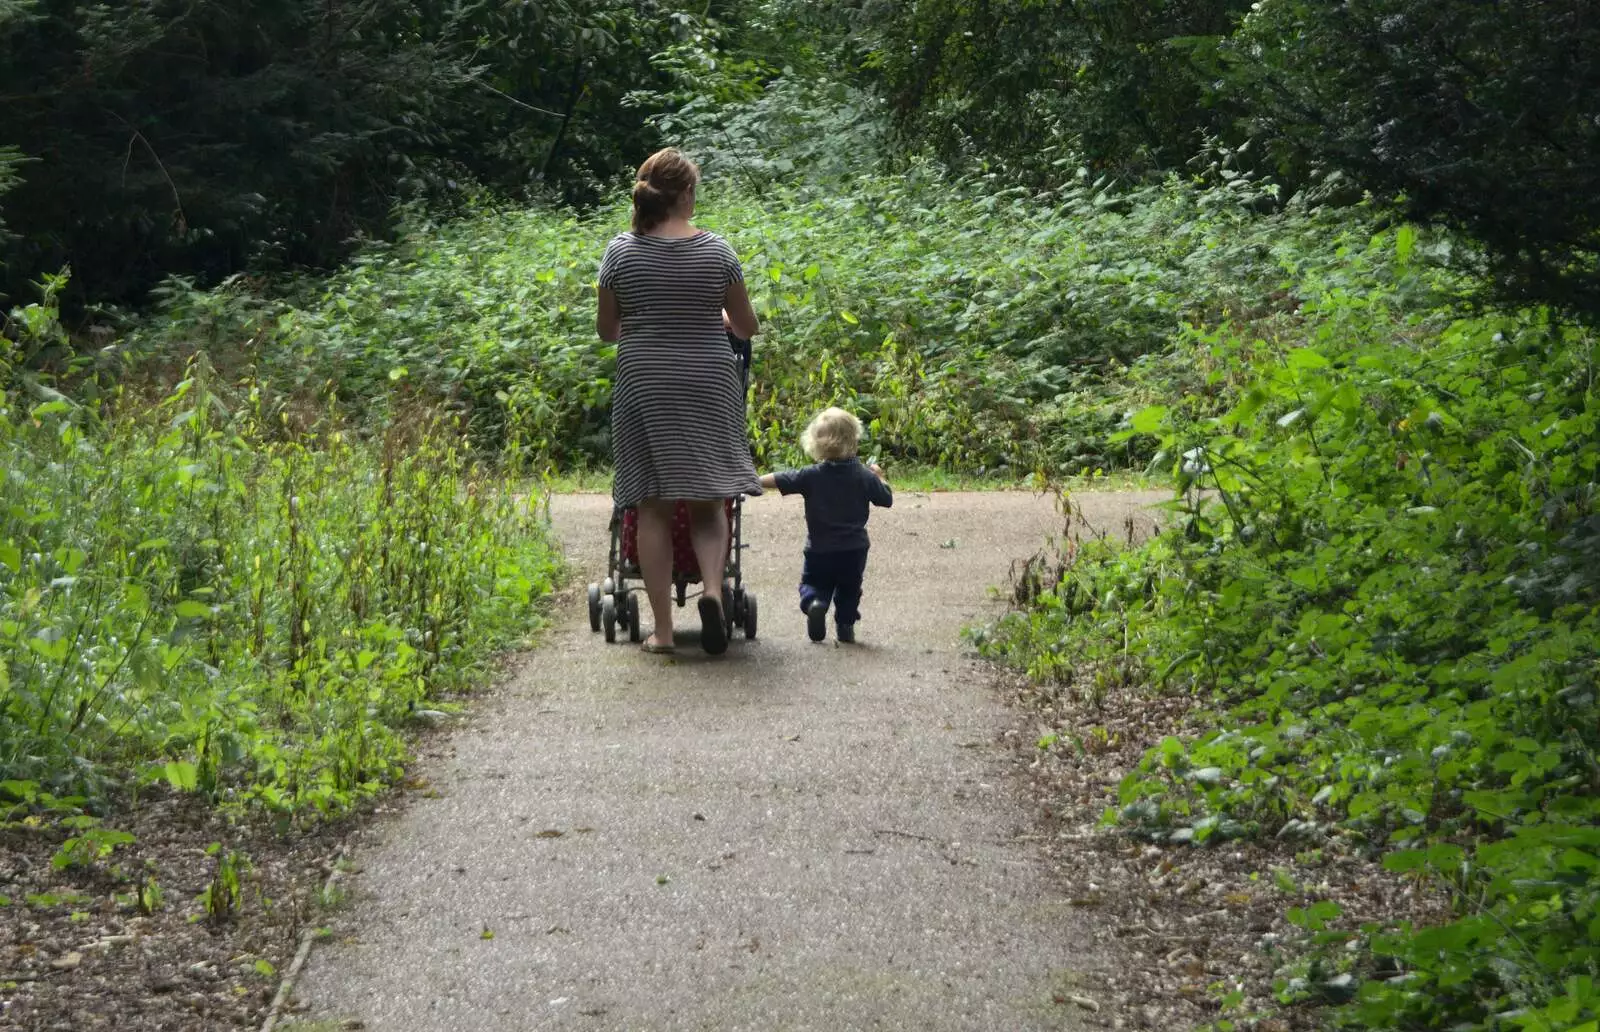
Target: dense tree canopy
<point>159,136</point>
<point>1485,116</point>
<point>1479,115</point>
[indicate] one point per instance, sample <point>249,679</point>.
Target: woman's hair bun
<point>664,177</point>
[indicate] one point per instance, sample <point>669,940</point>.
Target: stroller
<point>614,603</point>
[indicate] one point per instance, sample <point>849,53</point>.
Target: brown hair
<point>663,178</point>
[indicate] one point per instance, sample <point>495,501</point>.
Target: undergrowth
<point>1384,573</point>
<point>974,328</point>
<point>194,591</point>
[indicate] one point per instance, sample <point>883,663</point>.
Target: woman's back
<point>670,289</point>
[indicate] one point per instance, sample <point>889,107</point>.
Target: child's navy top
<point>838,495</point>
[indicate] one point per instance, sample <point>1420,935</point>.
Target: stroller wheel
<point>594,606</point>
<point>608,617</point>
<point>749,616</point>
<point>607,586</point>
<point>634,634</point>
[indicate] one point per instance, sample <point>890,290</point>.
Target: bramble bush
<point>194,591</point>
<point>1384,570</point>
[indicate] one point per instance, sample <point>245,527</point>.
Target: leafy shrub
<point>971,326</point>
<point>192,593</point>
<point>1389,586</point>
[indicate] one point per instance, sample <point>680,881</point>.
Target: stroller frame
<point>614,603</point>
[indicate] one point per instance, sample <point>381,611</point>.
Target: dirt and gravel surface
<point>791,836</point>
<point>78,952</point>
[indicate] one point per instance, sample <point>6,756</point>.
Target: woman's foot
<point>713,632</point>
<point>655,645</point>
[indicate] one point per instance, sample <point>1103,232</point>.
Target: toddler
<point>839,491</point>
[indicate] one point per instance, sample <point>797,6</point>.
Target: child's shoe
<point>817,620</point>
<point>846,633</point>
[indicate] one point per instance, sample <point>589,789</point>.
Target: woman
<point>669,294</point>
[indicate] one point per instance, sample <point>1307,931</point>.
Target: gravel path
<point>791,836</point>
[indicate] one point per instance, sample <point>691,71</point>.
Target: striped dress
<point>678,426</point>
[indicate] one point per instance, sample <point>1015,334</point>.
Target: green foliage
<point>205,592</point>
<point>223,897</point>
<point>972,327</point>
<point>150,898</point>
<point>1384,569</point>
<point>91,843</point>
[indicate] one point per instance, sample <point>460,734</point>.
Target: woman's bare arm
<point>608,315</point>
<point>741,318</point>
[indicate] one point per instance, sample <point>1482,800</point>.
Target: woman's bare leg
<point>708,530</point>
<point>655,564</point>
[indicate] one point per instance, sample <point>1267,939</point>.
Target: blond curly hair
<point>832,433</point>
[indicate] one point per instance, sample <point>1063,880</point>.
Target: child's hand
<point>877,470</point>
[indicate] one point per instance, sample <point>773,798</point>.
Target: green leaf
<point>1148,420</point>
<point>189,609</point>
<point>1405,860</point>
<point>1300,359</point>
<point>182,775</point>
<point>1405,240</point>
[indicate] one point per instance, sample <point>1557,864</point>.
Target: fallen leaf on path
<point>550,833</point>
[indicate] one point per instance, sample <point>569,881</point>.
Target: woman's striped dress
<point>678,407</point>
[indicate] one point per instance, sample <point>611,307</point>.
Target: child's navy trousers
<point>835,579</point>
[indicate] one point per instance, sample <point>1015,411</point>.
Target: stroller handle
<point>741,347</point>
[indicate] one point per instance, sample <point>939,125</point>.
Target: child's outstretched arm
<point>881,493</point>
<point>769,481</point>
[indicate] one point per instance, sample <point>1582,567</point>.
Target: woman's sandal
<point>713,632</point>
<point>655,648</point>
